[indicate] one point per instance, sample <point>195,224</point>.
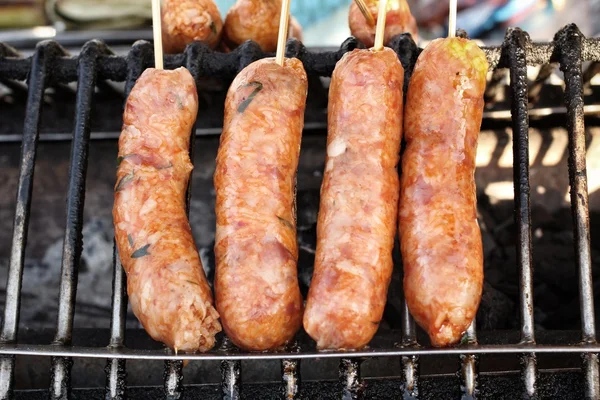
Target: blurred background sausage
<point>256,20</point>
<point>184,21</point>
<point>398,20</point>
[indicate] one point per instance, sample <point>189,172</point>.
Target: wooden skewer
<point>362,6</point>
<point>157,33</point>
<point>283,31</point>
<point>452,19</point>
<point>380,30</point>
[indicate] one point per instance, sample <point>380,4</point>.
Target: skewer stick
<point>362,6</point>
<point>380,30</point>
<point>452,19</point>
<point>157,33</point>
<point>283,31</point>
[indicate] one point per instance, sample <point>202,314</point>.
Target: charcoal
<point>496,310</point>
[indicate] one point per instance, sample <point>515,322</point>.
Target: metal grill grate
<point>50,64</point>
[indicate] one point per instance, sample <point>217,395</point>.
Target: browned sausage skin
<point>359,201</point>
<point>256,20</point>
<point>439,234</point>
<point>184,21</point>
<point>167,287</point>
<point>256,283</point>
<point>398,20</point>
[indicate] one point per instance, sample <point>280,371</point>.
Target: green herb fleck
<point>192,282</point>
<point>244,104</point>
<point>213,27</point>
<point>464,340</point>
<point>121,158</point>
<point>285,222</point>
<point>179,102</point>
<point>130,240</point>
<point>141,252</point>
<point>126,179</point>
<point>169,165</point>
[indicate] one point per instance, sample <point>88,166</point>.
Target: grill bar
<point>115,368</point>
<point>37,83</point>
<point>571,44</point>
<point>469,366</point>
<point>290,374</point>
<point>139,354</point>
<point>410,363</point>
<point>173,379</point>
<point>231,376</point>
<point>117,68</point>
<point>352,386</point>
<point>518,42</point>
<point>291,378</point>
<point>60,385</point>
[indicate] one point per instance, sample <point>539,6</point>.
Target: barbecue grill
<point>50,66</point>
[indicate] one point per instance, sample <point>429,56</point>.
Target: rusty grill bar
<point>50,65</point>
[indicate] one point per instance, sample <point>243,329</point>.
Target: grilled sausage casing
<point>256,282</point>
<point>398,20</point>
<point>184,21</point>
<point>439,234</point>
<point>167,287</point>
<point>359,201</point>
<point>257,20</point>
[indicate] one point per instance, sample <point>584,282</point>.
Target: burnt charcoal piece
<point>496,310</point>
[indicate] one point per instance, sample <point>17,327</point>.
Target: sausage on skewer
<point>359,201</point>
<point>398,20</point>
<point>439,234</point>
<point>167,287</point>
<point>184,21</point>
<point>256,282</point>
<point>256,20</point>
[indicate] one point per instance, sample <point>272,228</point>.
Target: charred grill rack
<point>51,65</point>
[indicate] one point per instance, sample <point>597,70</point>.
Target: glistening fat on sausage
<point>167,287</point>
<point>439,234</point>
<point>256,282</point>
<point>359,201</point>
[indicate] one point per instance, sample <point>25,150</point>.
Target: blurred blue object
<point>489,15</point>
<point>307,12</point>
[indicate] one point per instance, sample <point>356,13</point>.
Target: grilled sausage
<point>257,20</point>
<point>256,282</point>
<point>439,234</point>
<point>398,20</point>
<point>184,21</point>
<point>359,201</point>
<point>167,287</point>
